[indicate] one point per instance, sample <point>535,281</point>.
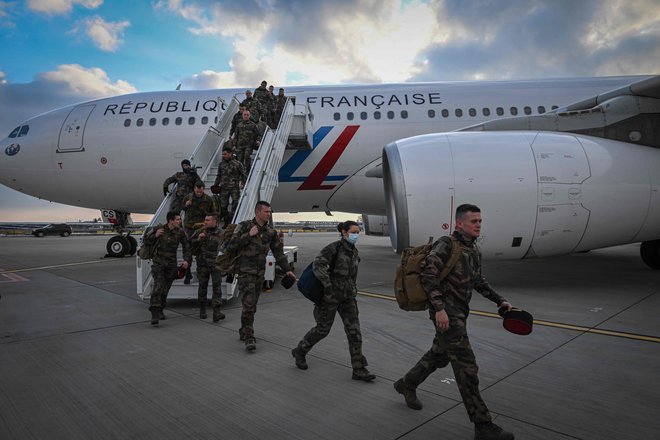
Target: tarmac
<point>79,359</point>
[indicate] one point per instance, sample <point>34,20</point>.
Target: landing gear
<point>122,244</point>
<point>650,253</point>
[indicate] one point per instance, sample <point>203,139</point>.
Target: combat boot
<point>202,310</point>
<point>299,356</point>
<point>241,335</point>
<point>408,393</point>
<point>250,344</point>
<point>363,374</point>
<point>161,315</point>
<point>154,317</point>
<point>217,314</point>
<point>490,431</point>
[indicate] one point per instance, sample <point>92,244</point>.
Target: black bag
<point>309,285</point>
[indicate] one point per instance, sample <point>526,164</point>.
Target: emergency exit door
<point>73,129</point>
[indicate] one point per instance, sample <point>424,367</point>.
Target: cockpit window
<point>14,132</point>
<point>24,130</point>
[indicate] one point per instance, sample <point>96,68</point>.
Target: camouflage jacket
<point>167,244</point>
<point>280,102</point>
<point>231,173</point>
<point>453,294</point>
<point>184,182</point>
<point>238,117</point>
<point>247,135</point>
<point>262,95</point>
<point>254,107</point>
<point>207,247</point>
<point>200,208</point>
<point>342,279</point>
<point>253,250</point>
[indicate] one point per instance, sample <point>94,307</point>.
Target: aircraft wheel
<point>40,234</point>
<point>650,253</point>
<point>132,244</point>
<point>65,234</point>
<point>118,246</point>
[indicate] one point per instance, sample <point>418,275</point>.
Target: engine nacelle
<point>540,193</point>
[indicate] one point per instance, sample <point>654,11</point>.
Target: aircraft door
<point>72,131</point>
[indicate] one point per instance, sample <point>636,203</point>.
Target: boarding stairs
<point>294,131</point>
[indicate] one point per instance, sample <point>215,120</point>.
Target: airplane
<point>556,165</point>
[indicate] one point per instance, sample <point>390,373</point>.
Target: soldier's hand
<point>188,202</point>
<point>293,275</point>
<point>160,232</point>
<point>185,265</point>
<point>505,305</point>
<point>254,231</point>
<point>442,320</point>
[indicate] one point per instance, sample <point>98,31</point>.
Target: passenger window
<point>554,107</point>
<point>215,120</point>
<point>485,111</point>
<point>349,116</point>
<point>376,115</point>
<point>445,113</point>
<point>178,121</point>
<point>458,113</point>
<point>390,114</point>
<point>514,111</point>
<point>14,132</point>
<point>472,112</point>
<point>499,111</point>
<point>24,130</point>
<point>166,121</point>
<point>127,122</point>
<point>541,109</point>
<point>527,110</point>
<point>191,120</point>
<point>404,114</point>
<point>337,116</point>
<point>205,120</point>
<point>152,122</point>
<point>139,122</point>
<point>431,113</point>
<point>363,115</point>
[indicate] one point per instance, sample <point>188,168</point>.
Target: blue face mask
<point>352,238</point>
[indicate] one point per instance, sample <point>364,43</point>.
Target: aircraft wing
<point>628,114</point>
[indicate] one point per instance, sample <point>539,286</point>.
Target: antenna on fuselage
<point>178,87</point>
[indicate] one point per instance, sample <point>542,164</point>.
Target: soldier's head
<point>347,228</point>
<point>264,83</point>
<point>173,219</point>
<point>248,93</point>
<point>262,211</point>
<point>227,153</point>
<point>246,115</point>
<point>241,108</point>
<point>199,188</point>
<point>185,164</point>
<point>211,220</point>
<point>468,220</point>
<point>281,92</point>
<point>271,88</point>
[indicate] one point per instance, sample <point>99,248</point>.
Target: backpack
<point>226,259</point>
<point>408,289</point>
<point>148,251</point>
<point>309,285</point>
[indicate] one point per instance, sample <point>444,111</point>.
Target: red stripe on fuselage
<point>321,171</point>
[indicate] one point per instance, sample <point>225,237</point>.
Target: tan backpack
<point>408,289</point>
<point>226,259</point>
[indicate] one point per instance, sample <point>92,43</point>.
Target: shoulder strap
<point>453,258</point>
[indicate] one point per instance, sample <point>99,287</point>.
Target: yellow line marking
<point>578,328</point>
<point>56,266</point>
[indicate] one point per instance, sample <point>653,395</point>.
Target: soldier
<point>247,139</point>
<point>252,105</point>
<point>449,308</point>
<point>336,267</point>
<point>251,240</point>
<point>280,102</point>
<point>166,239</point>
<point>185,180</point>
<point>238,117</point>
<point>196,205</point>
<point>262,95</point>
<point>231,179</point>
<point>206,242</point>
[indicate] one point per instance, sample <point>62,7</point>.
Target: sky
<point>59,52</point>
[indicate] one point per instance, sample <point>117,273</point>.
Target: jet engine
<point>540,193</point>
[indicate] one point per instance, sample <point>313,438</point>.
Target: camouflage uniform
<point>453,295</point>
<point>238,117</point>
<point>280,102</point>
<point>207,250</point>
<point>247,135</point>
<point>251,265</point>
<point>231,174</point>
<point>184,185</point>
<point>164,264</point>
<point>262,95</point>
<point>195,213</point>
<point>254,107</point>
<point>340,290</point>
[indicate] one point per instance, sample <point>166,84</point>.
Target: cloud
<point>59,7</point>
<point>106,35</point>
<point>69,84</point>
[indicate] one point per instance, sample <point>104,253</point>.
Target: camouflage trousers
<point>453,346</point>
<point>325,316</point>
<point>225,194</point>
<point>177,203</point>
<point>245,156</point>
<point>203,275</point>
<point>163,277</point>
<point>249,286</point>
